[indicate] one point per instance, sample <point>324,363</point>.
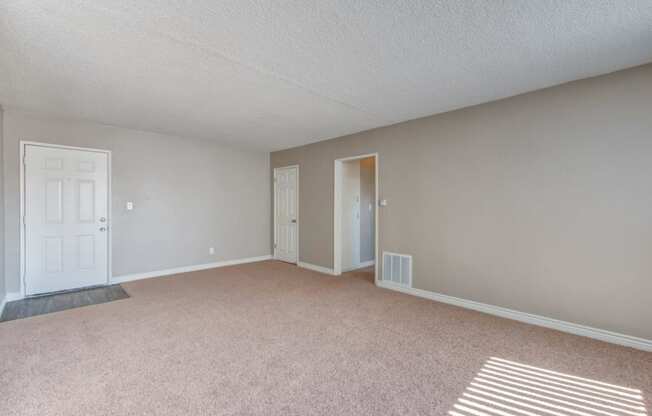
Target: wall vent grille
<point>397,268</point>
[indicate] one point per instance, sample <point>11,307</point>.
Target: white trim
<point>337,215</point>
<point>61,146</point>
<point>109,216</point>
<point>359,266</point>
<point>316,268</point>
<point>569,327</point>
<point>274,210</point>
<point>186,269</point>
<point>12,296</point>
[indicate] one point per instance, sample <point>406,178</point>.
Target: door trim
<point>274,210</point>
<point>23,248</point>
<point>337,214</point>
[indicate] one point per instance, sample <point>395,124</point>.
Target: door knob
<point>102,219</point>
<point>294,221</point>
<point>102,229</point>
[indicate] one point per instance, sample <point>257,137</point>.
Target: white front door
<point>286,184</point>
<point>66,219</point>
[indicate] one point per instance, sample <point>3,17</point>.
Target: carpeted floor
<point>271,339</point>
<point>366,274</point>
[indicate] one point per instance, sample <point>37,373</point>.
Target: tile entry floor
<point>56,302</point>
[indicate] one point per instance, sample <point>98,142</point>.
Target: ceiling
<point>269,75</point>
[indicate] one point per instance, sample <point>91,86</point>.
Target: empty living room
<point>236,207</point>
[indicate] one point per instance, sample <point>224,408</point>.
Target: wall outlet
<point>211,250</point>
<point>130,206</point>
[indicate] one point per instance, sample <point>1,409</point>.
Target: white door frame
<point>337,211</point>
<point>23,248</point>
<point>298,211</point>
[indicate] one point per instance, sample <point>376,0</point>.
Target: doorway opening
<point>356,217</point>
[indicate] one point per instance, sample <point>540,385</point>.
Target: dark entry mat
<point>56,302</point>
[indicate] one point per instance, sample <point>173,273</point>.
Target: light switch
<point>383,203</point>
<point>130,206</point>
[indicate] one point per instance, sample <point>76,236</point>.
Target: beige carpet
<point>366,274</point>
<point>271,339</point>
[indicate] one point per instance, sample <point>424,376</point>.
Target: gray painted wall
<point>189,195</point>
<point>540,203</point>
<point>367,198</point>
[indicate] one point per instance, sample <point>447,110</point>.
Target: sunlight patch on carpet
<point>508,388</point>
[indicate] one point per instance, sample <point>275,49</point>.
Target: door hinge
<point>24,159</point>
<point>24,220</point>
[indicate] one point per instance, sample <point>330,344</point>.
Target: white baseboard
<point>12,296</point>
<point>185,269</point>
<point>359,266</point>
<point>595,333</point>
<point>316,268</point>
<point>9,297</point>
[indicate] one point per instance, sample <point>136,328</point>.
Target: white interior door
<point>66,219</point>
<point>350,215</point>
<point>286,216</point>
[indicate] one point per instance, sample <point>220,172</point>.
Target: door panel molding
<point>56,166</point>
<point>278,236</point>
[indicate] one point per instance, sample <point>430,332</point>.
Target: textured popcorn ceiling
<point>274,74</point>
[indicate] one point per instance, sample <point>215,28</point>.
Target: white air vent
<point>397,268</point>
